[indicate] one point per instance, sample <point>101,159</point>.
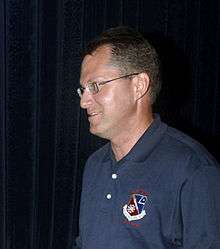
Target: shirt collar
<point>142,149</point>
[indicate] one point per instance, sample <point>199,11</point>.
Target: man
<point>151,186</point>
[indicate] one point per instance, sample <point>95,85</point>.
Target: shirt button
<point>108,196</point>
<point>114,176</point>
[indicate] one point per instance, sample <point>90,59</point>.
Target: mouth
<point>93,116</point>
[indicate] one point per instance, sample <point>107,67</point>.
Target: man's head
<point>130,52</point>
<point>119,82</point>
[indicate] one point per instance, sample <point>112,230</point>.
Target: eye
<point>93,87</point>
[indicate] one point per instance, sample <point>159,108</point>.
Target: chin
<point>94,130</point>
<point>98,132</point>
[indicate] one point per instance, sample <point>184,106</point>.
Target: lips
<point>92,114</point>
<point>94,117</point>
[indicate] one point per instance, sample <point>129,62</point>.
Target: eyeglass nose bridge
<point>80,91</point>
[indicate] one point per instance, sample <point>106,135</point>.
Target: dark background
<point>44,139</point>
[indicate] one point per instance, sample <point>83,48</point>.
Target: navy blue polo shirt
<point>165,193</point>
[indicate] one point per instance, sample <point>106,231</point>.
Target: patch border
<point>138,216</point>
<point>135,217</point>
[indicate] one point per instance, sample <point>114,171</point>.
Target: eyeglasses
<point>93,87</point>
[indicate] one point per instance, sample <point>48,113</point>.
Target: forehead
<point>97,64</point>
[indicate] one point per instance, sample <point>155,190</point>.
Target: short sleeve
<point>200,207</point>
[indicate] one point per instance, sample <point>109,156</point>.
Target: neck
<point>125,141</point>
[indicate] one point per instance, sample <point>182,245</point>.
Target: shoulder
<point>182,156</point>
<point>183,144</point>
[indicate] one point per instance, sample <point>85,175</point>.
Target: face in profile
<point>113,108</point>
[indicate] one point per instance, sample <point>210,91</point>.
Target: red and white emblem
<point>134,210</point>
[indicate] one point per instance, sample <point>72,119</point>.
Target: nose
<point>86,100</point>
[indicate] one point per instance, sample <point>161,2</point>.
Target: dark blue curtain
<point>44,139</point>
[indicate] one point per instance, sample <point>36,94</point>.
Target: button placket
<point>109,196</point>
<point>114,176</point>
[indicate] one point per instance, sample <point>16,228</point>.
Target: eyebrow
<point>92,81</point>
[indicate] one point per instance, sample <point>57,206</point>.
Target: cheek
<point>115,100</point>
<point>116,104</point>
<point>105,98</point>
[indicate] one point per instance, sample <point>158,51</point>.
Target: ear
<point>141,84</point>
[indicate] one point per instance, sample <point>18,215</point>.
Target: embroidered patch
<point>134,210</point>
